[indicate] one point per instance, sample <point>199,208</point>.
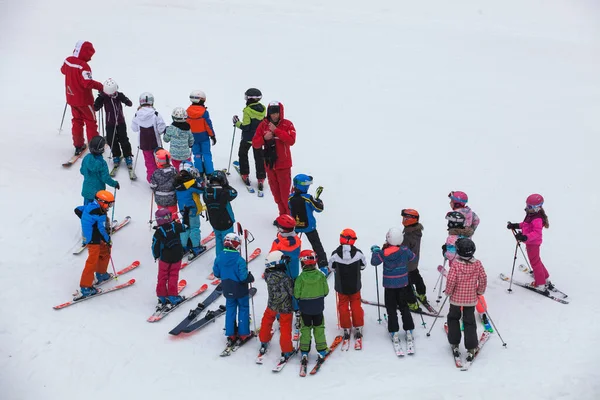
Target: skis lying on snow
<point>193,314</point>
<point>166,310</point>
<point>551,287</point>
<point>100,292</point>
<point>469,360</point>
<point>526,286</point>
<point>418,311</point>
<point>115,228</point>
<point>261,193</point>
<point>74,159</point>
<point>283,361</point>
<point>304,363</point>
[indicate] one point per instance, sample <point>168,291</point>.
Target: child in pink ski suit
<point>150,125</point>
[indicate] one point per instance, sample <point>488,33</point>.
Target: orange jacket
<point>199,119</point>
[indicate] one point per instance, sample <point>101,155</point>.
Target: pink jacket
<point>471,219</point>
<point>466,280</point>
<point>532,228</point>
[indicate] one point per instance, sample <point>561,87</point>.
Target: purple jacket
<point>532,228</point>
<point>112,106</point>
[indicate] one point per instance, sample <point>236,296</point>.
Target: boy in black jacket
<point>217,198</point>
<point>166,246</point>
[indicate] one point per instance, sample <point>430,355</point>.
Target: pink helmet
<point>458,197</point>
<point>163,216</point>
<point>535,200</point>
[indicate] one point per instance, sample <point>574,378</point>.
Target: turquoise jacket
<point>181,138</point>
<point>95,175</point>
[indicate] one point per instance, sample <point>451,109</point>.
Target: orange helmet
<point>162,157</point>
<point>105,199</point>
<point>285,222</point>
<point>348,236</point>
<point>409,217</point>
<point>308,258</point>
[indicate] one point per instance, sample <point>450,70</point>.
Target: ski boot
<point>88,291</point>
<point>471,354</point>
<point>129,162</point>
<point>358,332</point>
<point>231,341</point>
<point>162,302</point>
<point>549,285</point>
<point>102,277</point>
<point>261,185</point>
<point>79,150</point>
<point>174,300</point>
<point>246,179</point>
<point>455,350</point>
<point>196,251</point>
<point>263,349</point>
<point>346,334</point>
<point>304,359</point>
<point>409,336</point>
<point>116,161</point>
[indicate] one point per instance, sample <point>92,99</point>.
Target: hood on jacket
<point>84,50</point>
<point>195,111</point>
<point>393,253</point>
<point>465,267</point>
<point>145,113</point>
<point>416,228</point>
<point>183,125</point>
<point>276,103</point>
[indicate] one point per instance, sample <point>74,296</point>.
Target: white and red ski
<point>100,292</point>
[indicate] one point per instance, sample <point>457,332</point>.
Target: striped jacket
<point>395,260</point>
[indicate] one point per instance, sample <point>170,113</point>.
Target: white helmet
<point>394,237</point>
<point>232,241</point>
<point>197,95</point>
<point>274,259</point>
<point>179,114</point>
<point>186,165</point>
<point>110,87</point>
<point>146,98</point>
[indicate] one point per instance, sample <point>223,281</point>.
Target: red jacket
<point>285,136</point>
<point>466,280</point>
<point>78,76</point>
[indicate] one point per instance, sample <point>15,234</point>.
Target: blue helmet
<point>302,182</point>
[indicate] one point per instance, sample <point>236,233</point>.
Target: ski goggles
<point>456,199</point>
<point>534,207</point>
<point>308,260</point>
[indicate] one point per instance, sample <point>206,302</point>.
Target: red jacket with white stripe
<point>466,280</point>
<point>78,76</point>
<point>284,138</point>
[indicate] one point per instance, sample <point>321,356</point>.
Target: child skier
<point>150,125</point>
<point>116,129</point>
<point>231,268</point>
<point>458,202</point>
<point>466,281</point>
<point>310,288</point>
<point>254,113</point>
<point>167,249</point>
<point>288,243</point>
<point>95,171</point>
<point>531,227</point>
<point>96,235</point>
<point>162,182</point>
<point>180,136</point>
<point>202,128</point>
<point>188,191</point>
<point>398,294</point>
<point>281,290</point>
<point>302,207</point>
<point>217,197</point>
<point>348,261</point>
<point>413,231</point>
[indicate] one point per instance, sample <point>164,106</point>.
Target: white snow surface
<point>396,103</point>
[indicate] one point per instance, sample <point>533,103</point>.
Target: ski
<point>115,228</point>
<point>410,345</point>
<point>261,355</point>
<point>237,344</point>
<point>303,366</point>
<point>345,344</point>
<point>418,311</point>
<point>165,312</point>
<point>236,165</point>
<point>482,340</point>
<point>426,304</point>
<point>296,331</point>
<point>358,343</point>
<point>125,270</point>
<point>160,308</point>
<point>191,259</point>
<point>486,323</point>
<point>526,286</point>
<point>551,286</point>
<point>321,361</point>
<point>397,346</point>
<point>74,159</point>
<point>455,354</point>
<point>114,169</point>
<point>283,361</point>
<point>100,292</point>
<point>196,311</point>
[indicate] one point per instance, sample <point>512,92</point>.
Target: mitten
<point>513,226</point>
<point>520,237</point>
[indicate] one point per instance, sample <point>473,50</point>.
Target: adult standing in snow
<point>275,135</point>
<point>78,89</point>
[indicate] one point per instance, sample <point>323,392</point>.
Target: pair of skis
<point>357,342</point>
<point>162,312</point>
<point>417,311</point>
<point>397,343</point>
<point>116,168</point>
<point>187,325</point>
<point>549,293</point>
<point>304,362</point>
<point>468,362</point>
<point>208,242</point>
<point>261,193</point>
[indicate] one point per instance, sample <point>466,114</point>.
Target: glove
<point>375,248</point>
<point>520,237</point>
<point>510,225</point>
<point>117,186</point>
<point>109,243</point>
<point>129,103</point>
<point>324,270</point>
<point>235,119</point>
<point>214,140</point>
<point>444,250</point>
<point>250,277</point>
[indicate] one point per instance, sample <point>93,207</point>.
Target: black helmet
<point>219,178</point>
<point>97,145</point>
<point>252,94</point>
<point>465,247</point>
<point>455,220</point>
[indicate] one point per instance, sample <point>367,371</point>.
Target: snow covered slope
<point>395,103</point>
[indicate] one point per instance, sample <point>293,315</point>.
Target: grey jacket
<point>281,290</point>
<point>163,186</point>
<point>412,240</point>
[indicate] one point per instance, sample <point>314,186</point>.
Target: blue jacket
<point>218,204</point>
<point>395,265</point>
<point>302,208</point>
<point>95,175</point>
<point>231,268</point>
<point>93,223</point>
<point>188,193</point>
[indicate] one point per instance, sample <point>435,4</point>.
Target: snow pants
<point>97,261</point>
<point>168,277</point>
<point>540,273</point>
<point>280,182</point>
<point>285,329</point>
<point>117,136</point>
<point>237,309</point>
<point>350,310</point>
<point>192,233</point>
<point>315,242</point>
<point>415,278</point>
<point>259,160</point>
<point>202,156</point>
<point>219,236</point>
<point>470,327</point>
<point>83,115</point>
<point>312,324</point>
<point>150,163</point>
<point>398,299</point>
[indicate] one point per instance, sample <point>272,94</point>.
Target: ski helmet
<point>252,94</point>
<point>179,114</point>
<point>186,166</point>
<point>308,258</point>
<point>459,199</point>
<point>302,182</point>
<point>394,237</point>
<point>285,222</point>
<point>455,220</point>
<point>276,258</point>
<point>218,178</point>
<point>534,202</point>
<point>197,96</point>
<point>105,199</point>
<point>465,248</point>
<point>348,236</point>
<point>163,216</point>
<point>97,145</point>
<point>232,241</point>
<point>162,157</point>
<point>409,217</point>
<point>146,99</point>
<point>110,87</point>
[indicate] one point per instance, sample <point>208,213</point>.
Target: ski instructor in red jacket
<point>275,135</point>
<point>78,88</point>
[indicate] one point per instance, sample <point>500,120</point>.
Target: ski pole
<point>246,233</point>
<point>377,283</point>
<point>436,282</point>
<point>151,209</point>
<point>423,321</point>
<point>63,119</point>
<point>513,269</point>
<point>514,232</point>
<point>495,328</point>
<point>136,158</point>
<point>437,316</point>
<point>337,309</point>
<point>112,217</point>
<point>441,282</point>
<point>112,141</point>
<point>231,151</point>
<point>114,270</point>
<point>101,117</point>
